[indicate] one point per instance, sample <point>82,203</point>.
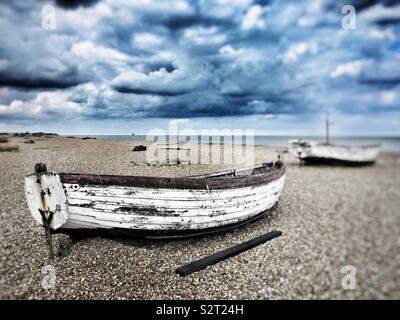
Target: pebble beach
<point>330,218</point>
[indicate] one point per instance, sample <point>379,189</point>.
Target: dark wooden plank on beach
<point>225,254</point>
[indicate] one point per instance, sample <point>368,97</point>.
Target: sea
<point>388,144</point>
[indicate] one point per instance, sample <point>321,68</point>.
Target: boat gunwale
<point>324,144</point>
<point>368,146</point>
<point>188,182</point>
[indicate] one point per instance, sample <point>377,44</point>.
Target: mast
<point>328,123</point>
<point>327,127</point>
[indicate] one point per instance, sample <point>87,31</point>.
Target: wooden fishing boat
<point>322,153</point>
<point>312,152</point>
<point>157,207</point>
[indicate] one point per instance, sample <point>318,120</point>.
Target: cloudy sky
<point>122,66</point>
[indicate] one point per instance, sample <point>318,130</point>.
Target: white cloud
<point>204,36</point>
<point>382,34</point>
<point>97,60</point>
<point>157,82</point>
<point>223,8</point>
<point>43,104</point>
<point>171,6</point>
<point>176,122</point>
<point>352,68</point>
<point>235,3</point>
<point>228,49</point>
<point>388,98</point>
<point>299,49</point>
<point>253,18</point>
<point>88,50</point>
<point>243,55</point>
<point>146,40</point>
<point>230,88</point>
<point>380,12</point>
<point>269,116</point>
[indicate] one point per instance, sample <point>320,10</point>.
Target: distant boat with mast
<point>312,152</point>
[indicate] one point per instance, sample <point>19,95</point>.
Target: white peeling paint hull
<point>112,207</point>
<point>314,152</point>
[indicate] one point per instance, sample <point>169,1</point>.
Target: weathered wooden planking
<point>93,219</point>
<point>158,234</point>
<point>157,220</point>
<point>159,194</point>
<point>225,254</point>
<point>111,199</point>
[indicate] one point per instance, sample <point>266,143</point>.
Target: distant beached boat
<point>155,207</point>
<point>321,153</point>
<point>326,153</point>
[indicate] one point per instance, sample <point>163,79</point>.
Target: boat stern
<point>46,198</point>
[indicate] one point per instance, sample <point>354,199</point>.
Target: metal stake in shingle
<point>47,215</point>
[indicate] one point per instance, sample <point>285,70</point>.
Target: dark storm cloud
<point>382,73</point>
<point>150,67</point>
<point>365,4</point>
<point>7,79</point>
<point>387,21</point>
<point>73,4</point>
<point>381,81</point>
<point>181,22</point>
<point>33,57</point>
<point>127,89</point>
<point>110,59</point>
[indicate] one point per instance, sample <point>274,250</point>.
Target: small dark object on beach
<point>40,168</point>
<point>63,251</point>
<point>30,141</point>
<point>140,147</point>
<point>65,244</point>
<point>88,138</point>
<point>225,254</point>
<point>21,134</point>
<point>42,134</point>
<point>3,140</point>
